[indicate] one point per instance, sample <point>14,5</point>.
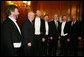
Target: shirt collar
<point>14,20</point>
<point>74,22</point>
<point>64,21</point>
<point>55,21</point>
<point>37,17</point>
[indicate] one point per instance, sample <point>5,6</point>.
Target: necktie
<point>31,22</point>
<point>56,24</point>
<point>72,24</point>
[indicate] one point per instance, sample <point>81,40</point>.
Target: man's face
<point>56,17</point>
<point>16,13</point>
<point>31,17</point>
<point>74,18</point>
<point>64,18</point>
<point>46,18</point>
<point>38,13</point>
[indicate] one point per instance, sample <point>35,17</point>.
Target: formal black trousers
<point>18,51</point>
<point>65,46</point>
<point>28,51</point>
<point>74,45</point>
<point>45,46</point>
<point>38,45</point>
<point>53,46</point>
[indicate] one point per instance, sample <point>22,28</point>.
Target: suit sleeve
<point>6,41</point>
<point>26,34</point>
<point>42,27</point>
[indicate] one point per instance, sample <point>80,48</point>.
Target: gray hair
<point>31,13</point>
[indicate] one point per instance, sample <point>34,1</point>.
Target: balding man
<point>28,35</point>
<point>39,27</point>
<point>75,34</point>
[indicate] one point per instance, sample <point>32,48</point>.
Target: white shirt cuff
<point>17,45</point>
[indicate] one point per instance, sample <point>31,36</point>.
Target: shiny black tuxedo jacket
<point>9,35</point>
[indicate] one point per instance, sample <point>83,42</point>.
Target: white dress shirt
<point>46,27</point>
<point>16,45</point>
<point>37,26</point>
<point>62,29</point>
<point>73,23</point>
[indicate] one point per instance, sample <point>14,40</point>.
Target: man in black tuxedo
<point>11,40</point>
<point>54,35</point>
<point>75,34</point>
<point>64,32</point>
<point>28,35</point>
<point>45,39</point>
<point>39,31</point>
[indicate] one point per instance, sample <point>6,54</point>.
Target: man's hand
<point>68,40</point>
<point>59,37</point>
<point>29,44</point>
<point>43,39</point>
<point>51,38</point>
<point>79,38</point>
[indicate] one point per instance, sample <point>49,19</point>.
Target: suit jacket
<point>28,36</point>
<point>53,31</point>
<point>75,30</point>
<point>10,35</point>
<point>66,29</point>
<point>82,29</point>
<point>42,29</point>
<point>28,32</point>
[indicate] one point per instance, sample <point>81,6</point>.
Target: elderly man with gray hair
<point>28,35</point>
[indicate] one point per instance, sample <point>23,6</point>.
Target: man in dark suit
<point>28,35</point>
<point>39,31</point>
<point>11,35</point>
<point>54,35</point>
<point>64,32</point>
<point>45,39</point>
<point>75,34</point>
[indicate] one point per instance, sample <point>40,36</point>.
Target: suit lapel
<point>14,26</point>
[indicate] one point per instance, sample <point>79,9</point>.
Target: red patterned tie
<point>32,22</point>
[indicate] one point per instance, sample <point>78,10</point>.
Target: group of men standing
<point>38,37</point>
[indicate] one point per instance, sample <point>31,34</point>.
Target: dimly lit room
<point>28,28</point>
